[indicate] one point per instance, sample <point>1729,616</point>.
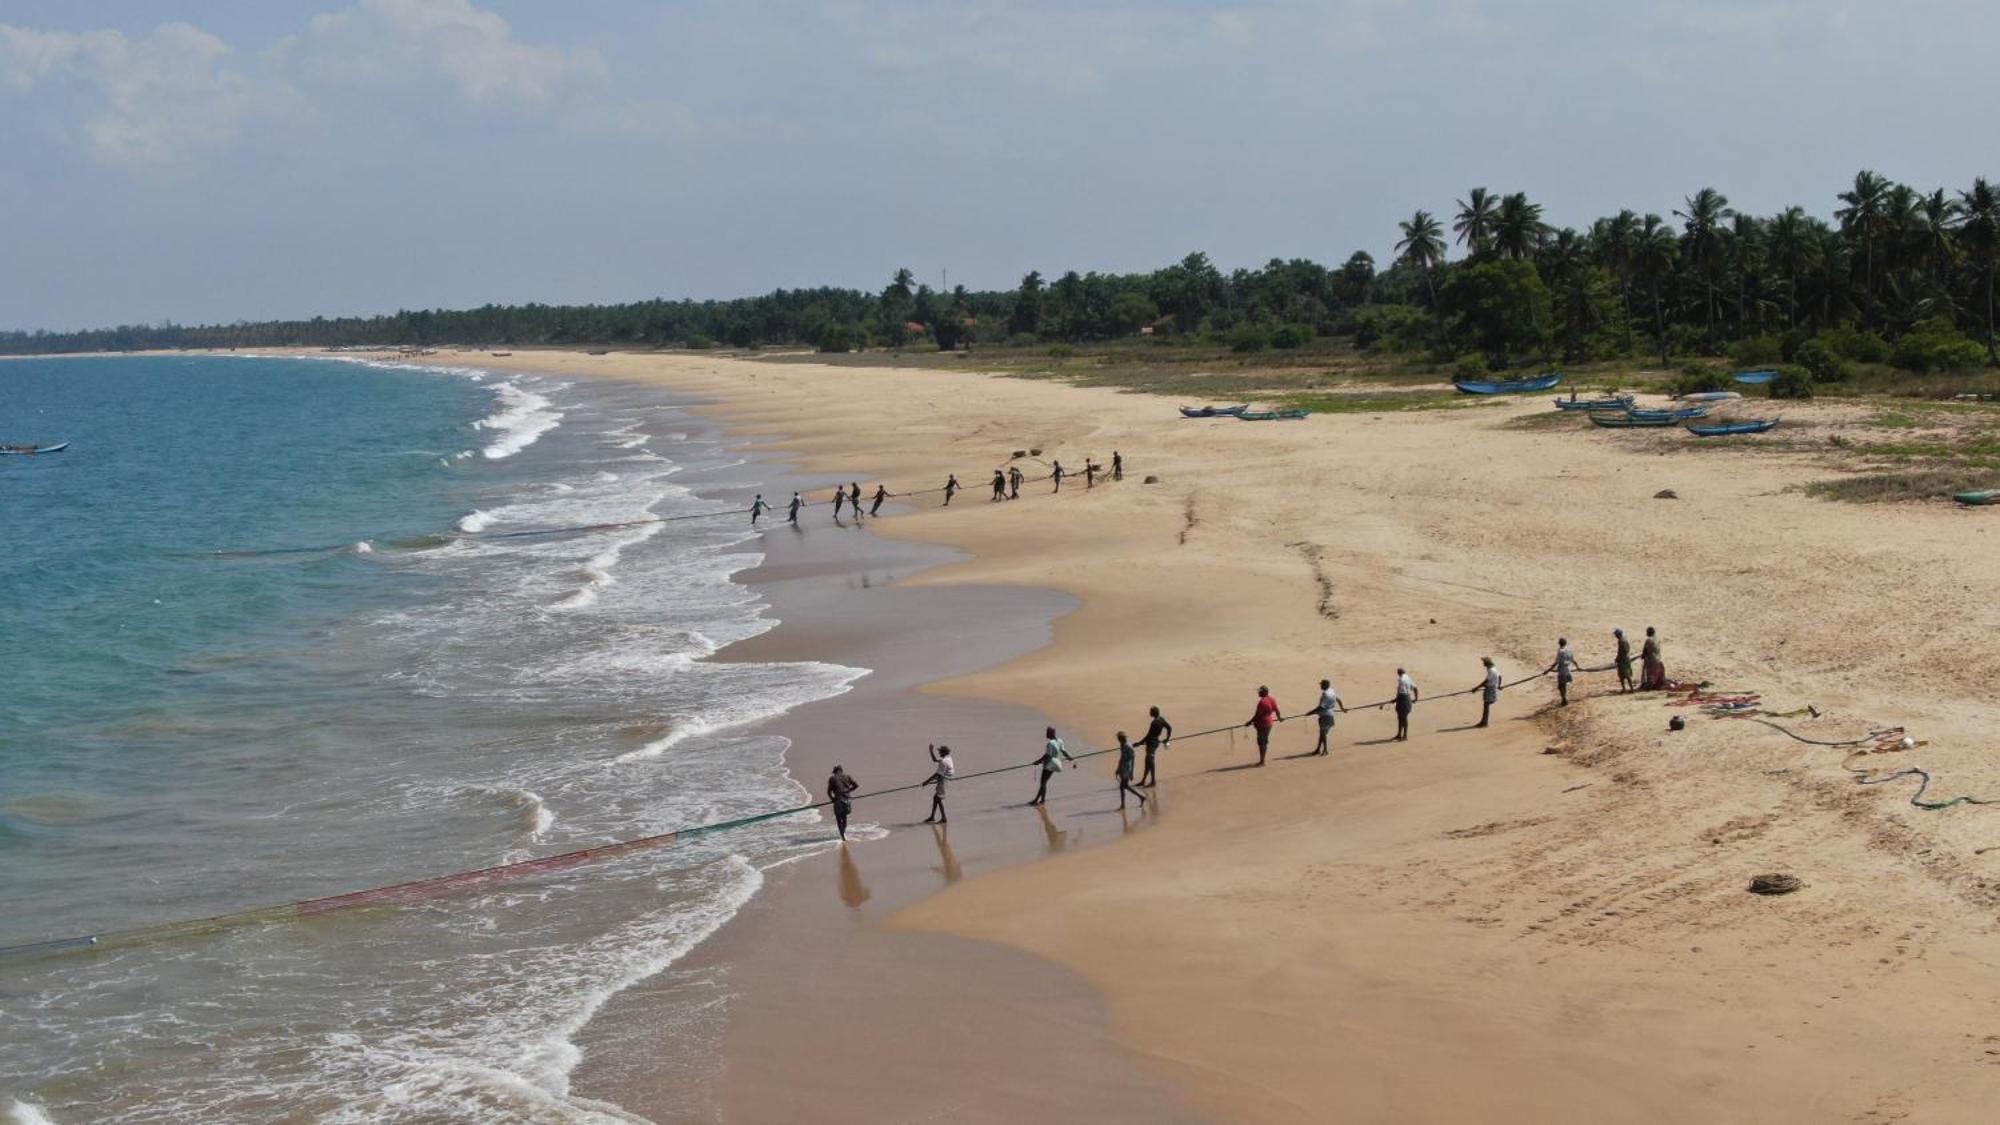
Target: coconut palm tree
<point>1422,248</point>
<point>1979,234</point>
<point>1791,245</point>
<point>1702,215</point>
<point>1863,220</point>
<point>1654,252</point>
<point>1745,253</point>
<point>1517,227</point>
<point>1612,241</point>
<point>1477,213</point>
<point>1936,240</point>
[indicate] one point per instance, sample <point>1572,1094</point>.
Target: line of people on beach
<point>1007,484</point>
<point>1133,777</point>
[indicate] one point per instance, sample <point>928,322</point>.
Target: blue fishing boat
<point>1731,429</point>
<point>1507,386</point>
<point>1615,402</point>
<point>1754,378</point>
<point>1272,415</point>
<point>1630,420</point>
<point>1671,416</point>
<point>29,450</point>
<point>1212,411</point>
<point>1711,396</point>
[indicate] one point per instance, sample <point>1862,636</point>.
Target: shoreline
<point>1552,930</point>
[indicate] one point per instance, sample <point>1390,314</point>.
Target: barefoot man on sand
<point>941,777</point>
<point>1329,701</point>
<point>1264,718</point>
<point>1159,732</point>
<point>1406,701</point>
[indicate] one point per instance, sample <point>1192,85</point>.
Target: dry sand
<point>1468,927</point>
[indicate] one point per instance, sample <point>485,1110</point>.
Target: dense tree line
<point>1894,275</point>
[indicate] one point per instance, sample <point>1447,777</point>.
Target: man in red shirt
<point>1264,718</point>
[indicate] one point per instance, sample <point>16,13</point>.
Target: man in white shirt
<point>1329,701</point>
<point>940,777</point>
<point>1489,690</point>
<point>1406,701</point>
<point>1564,668</point>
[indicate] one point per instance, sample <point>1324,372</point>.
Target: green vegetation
<point>1896,290</point>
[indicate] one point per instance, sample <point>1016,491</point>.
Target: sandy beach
<point>1544,920</point>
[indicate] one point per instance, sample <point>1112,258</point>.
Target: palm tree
<point>1791,245</point>
<point>1422,248</point>
<point>1517,228</point>
<point>1613,240</point>
<point>1937,214</point>
<point>1703,215</point>
<point>1654,252</point>
<point>1979,234</point>
<point>1746,261</point>
<point>1863,219</point>
<point>1474,225</point>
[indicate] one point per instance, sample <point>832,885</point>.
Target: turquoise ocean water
<point>257,648</point>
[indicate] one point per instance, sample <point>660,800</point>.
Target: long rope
<point>581,528</point>
<point>416,889</point>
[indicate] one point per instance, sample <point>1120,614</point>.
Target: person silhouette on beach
<point>1652,666</point>
<point>1117,466</point>
<point>881,494</point>
<point>758,508</point>
<point>1057,475</point>
<point>840,789</point>
<point>1264,718</point>
<point>1406,701</point>
<point>950,489</point>
<point>1051,761</point>
<point>1564,667</point>
<point>1089,473</point>
<point>1127,761</point>
<point>793,516</point>
<point>854,497</point>
<point>999,485</point>
<point>1623,661</point>
<point>1329,701</point>
<point>1489,690</point>
<point>941,774</point>
<point>839,498</point>
<point>1014,478</point>
<point>1159,732</point>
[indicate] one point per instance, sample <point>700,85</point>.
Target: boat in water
<point>1507,386</point>
<point>1732,429</point>
<point>30,450</point>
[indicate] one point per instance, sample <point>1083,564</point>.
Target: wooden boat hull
<point>1684,414</point>
<point>1212,411</point>
<point>1630,422</point>
<point>1732,429</point>
<point>1622,402</point>
<point>1272,415</point>
<point>1754,378</point>
<point>1978,496</point>
<point>1712,396</point>
<point>31,450</point>
<point>1506,386</point>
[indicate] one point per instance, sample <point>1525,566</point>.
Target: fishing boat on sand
<point>1615,402</point>
<point>1630,421</point>
<point>1754,378</point>
<point>1978,496</point>
<point>1212,411</point>
<point>1682,414</point>
<point>1272,415</point>
<point>30,450</point>
<point>1711,396</point>
<point>1732,429</point>
<point>1507,386</point>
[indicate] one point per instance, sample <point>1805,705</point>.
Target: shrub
<point>1390,328</point>
<point>834,337</point>
<point>1290,336</point>
<point>1792,382</point>
<point>1820,362</point>
<point>1849,342</point>
<point>1061,351</point>
<point>1247,338</point>
<point>1023,340</point>
<point>1470,368</point>
<point>1686,339</point>
<point>1758,351</point>
<point>1935,345</point>
<point>695,341</point>
<point>1696,378</point>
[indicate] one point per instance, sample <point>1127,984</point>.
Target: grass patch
<point>1891,488</point>
<point>1377,403</point>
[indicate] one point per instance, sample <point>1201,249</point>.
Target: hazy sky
<point>214,159</point>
